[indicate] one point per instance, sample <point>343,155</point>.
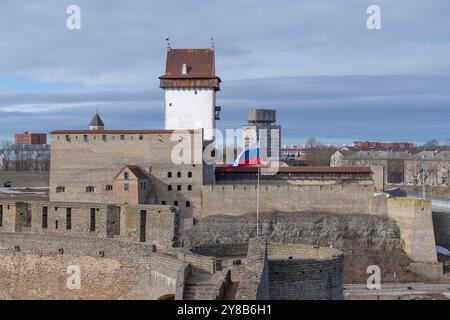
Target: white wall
<point>190,111</point>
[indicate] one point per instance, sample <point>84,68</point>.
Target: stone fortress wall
<point>94,158</point>
<point>241,198</point>
<point>40,266</point>
<point>22,179</point>
<point>292,272</point>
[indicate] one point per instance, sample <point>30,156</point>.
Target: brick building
<point>30,138</point>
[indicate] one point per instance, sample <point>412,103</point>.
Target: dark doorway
<point>143,225</point>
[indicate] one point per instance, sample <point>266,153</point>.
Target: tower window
<point>178,174</point>
<point>189,187</point>
<point>169,187</point>
<point>189,174</point>
<point>179,188</point>
<point>68,218</point>
<point>188,204</point>
<point>169,174</point>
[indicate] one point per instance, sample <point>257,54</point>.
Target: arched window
<point>60,189</point>
<point>178,174</point>
<point>126,176</point>
<point>169,174</point>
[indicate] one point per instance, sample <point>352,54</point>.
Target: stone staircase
<point>199,285</point>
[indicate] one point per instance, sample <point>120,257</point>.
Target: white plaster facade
<point>190,109</point>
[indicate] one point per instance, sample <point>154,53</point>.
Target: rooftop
<point>190,64</point>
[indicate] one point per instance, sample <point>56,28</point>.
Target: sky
<point>315,61</point>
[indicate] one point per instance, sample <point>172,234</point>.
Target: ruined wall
<point>36,267</point>
<point>313,273</point>
<point>241,199</point>
<point>283,271</point>
<point>255,280</point>
<point>161,226</point>
<point>21,179</point>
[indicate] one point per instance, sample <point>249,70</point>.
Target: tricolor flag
<point>247,158</point>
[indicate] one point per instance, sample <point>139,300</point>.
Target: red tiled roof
<point>120,131</point>
<point>136,170</point>
<point>312,169</point>
<point>199,62</point>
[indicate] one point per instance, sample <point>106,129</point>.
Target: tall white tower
<point>190,86</point>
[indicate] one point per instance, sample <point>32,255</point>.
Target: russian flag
<point>247,158</point>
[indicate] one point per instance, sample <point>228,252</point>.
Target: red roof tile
<point>199,62</point>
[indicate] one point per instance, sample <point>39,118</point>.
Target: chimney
<point>184,69</point>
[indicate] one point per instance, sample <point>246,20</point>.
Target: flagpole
<point>257,204</point>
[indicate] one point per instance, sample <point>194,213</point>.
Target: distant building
<point>263,121</point>
<point>379,146</point>
<point>30,138</point>
<point>96,123</point>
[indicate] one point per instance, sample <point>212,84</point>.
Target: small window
<point>109,187</point>
<point>178,174</point>
<point>170,104</point>
<point>1,215</point>
<point>44,217</point>
<point>189,187</point>
<point>179,188</point>
<point>126,187</point>
<point>143,185</point>
<point>163,203</point>
<point>56,224</point>
<point>169,174</point>
<point>67,138</point>
<point>195,92</point>
<point>188,204</point>
<point>60,189</point>
<point>90,189</point>
<point>175,203</point>
<point>68,218</point>
<point>85,138</point>
<point>169,187</point>
<point>189,174</point>
<point>141,137</point>
<point>122,137</point>
<point>92,220</point>
<point>104,137</point>
<point>126,176</point>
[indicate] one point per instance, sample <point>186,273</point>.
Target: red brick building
<point>30,138</point>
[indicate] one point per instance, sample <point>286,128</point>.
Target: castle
<point>119,194</point>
